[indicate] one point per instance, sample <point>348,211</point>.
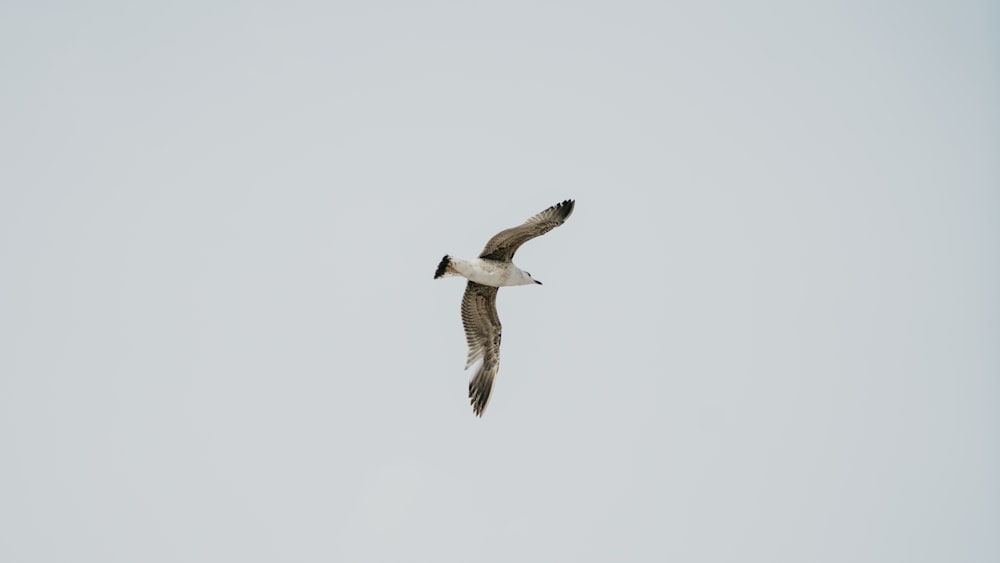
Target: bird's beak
<point>538,282</point>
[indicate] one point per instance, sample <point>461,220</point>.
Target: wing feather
<point>482,332</point>
<point>504,244</point>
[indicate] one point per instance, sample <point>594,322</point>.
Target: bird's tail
<point>444,268</point>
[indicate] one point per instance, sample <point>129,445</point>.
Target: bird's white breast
<point>488,272</point>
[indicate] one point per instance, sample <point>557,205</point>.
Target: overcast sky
<point>769,332</point>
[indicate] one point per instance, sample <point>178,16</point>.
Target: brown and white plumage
<point>494,269</point>
<point>504,244</point>
<point>482,334</point>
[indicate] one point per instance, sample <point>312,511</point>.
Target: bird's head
<point>527,279</point>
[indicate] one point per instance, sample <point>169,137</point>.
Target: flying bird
<point>492,270</point>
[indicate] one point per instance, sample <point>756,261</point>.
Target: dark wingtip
<point>442,266</point>
<point>477,407</point>
<point>478,397</point>
<point>566,208</point>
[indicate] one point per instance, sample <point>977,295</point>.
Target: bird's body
<point>491,270</point>
<point>488,272</point>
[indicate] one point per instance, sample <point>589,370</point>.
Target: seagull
<point>492,270</point>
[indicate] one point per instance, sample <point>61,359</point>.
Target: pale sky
<point>770,332</point>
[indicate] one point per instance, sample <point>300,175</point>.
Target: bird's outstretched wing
<point>482,331</point>
<point>505,243</point>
